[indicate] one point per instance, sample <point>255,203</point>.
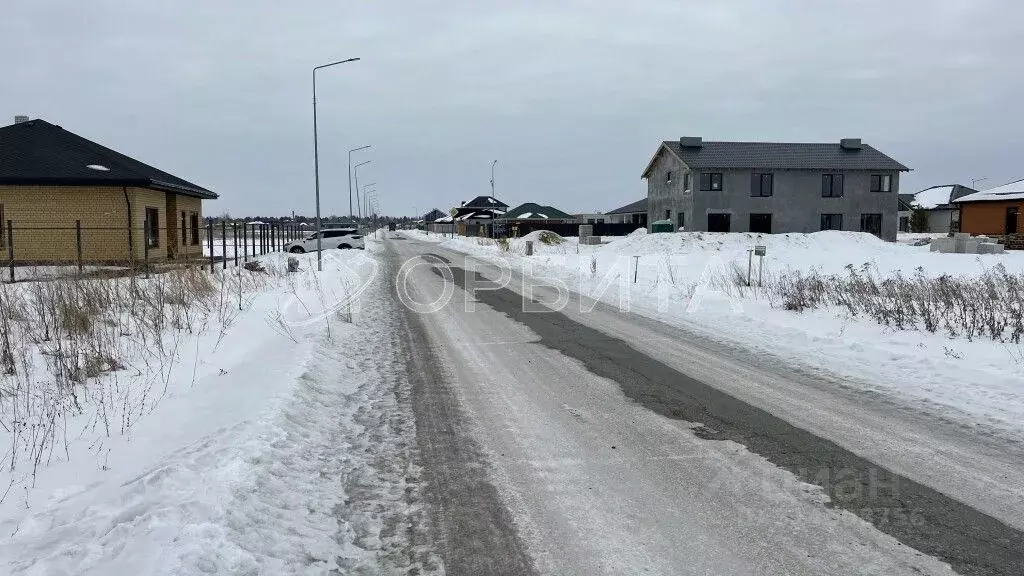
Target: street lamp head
<point>315,68</point>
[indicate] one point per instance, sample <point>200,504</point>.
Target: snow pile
<point>542,237</point>
<point>264,453</point>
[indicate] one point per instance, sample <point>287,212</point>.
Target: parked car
<point>343,238</point>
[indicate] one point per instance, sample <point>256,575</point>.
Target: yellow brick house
<point>57,187</point>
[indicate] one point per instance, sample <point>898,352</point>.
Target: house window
<point>686,181</point>
<point>761,223</point>
<point>761,185</point>
<point>681,217</point>
<point>668,177</point>
<point>904,224</point>
<point>152,227</point>
<point>194,217</point>
<point>184,230</point>
<point>668,214</point>
<point>831,221</point>
<point>831,185</point>
<point>711,181</point>
<point>1012,215</point>
<point>881,183</point>
<point>871,223</point>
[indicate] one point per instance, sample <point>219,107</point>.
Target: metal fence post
<point>245,241</point>
<point>10,248</point>
<point>209,240</point>
<point>273,237</point>
<point>145,246</point>
<point>234,234</point>
<point>78,243</point>
<point>224,243</point>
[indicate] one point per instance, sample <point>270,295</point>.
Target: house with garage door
<point>774,187</point>
<point>60,191</point>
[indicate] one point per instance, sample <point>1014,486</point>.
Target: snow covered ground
<point>979,383</point>
<point>246,464</point>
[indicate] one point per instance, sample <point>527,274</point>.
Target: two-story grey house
<point>774,187</point>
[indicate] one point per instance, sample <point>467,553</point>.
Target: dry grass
<point>990,306</point>
<point>102,348</point>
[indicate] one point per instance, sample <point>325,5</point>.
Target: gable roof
<point>778,155</point>
<point>638,206</point>
<point>531,210</point>
<point>37,152</point>
<point>1011,191</point>
<point>433,215</point>
<point>485,202</point>
<point>940,196</point>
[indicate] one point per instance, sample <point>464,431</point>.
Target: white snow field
<point>244,464</point>
<point>979,383</point>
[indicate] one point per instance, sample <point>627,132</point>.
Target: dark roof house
<point>433,215</point>
<point>848,154</point>
<point>532,211</point>
<point>481,208</point>
<point>773,187</point>
<point>631,208</point>
<point>52,180</point>
<point>37,152</point>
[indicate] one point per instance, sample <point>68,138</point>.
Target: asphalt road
<point>605,443</point>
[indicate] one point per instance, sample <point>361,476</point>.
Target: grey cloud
<point>570,97</point>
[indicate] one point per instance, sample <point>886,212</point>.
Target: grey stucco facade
<point>796,203</point>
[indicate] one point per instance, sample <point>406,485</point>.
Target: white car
<point>343,238</point>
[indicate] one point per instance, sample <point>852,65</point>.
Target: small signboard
<point>760,250</point>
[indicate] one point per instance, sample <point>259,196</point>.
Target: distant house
<point>474,218</point>
<point>433,215</point>
<point>938,202</point>
<point>536,212</point>
<point>632,213</point>
<point>771,187</point>
<point>996,211</point>
<point>51,179</point>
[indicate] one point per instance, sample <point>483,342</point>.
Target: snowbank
<point>237,468</point>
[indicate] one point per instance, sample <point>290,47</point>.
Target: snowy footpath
<point>289,450</point>
<point>689,279</point>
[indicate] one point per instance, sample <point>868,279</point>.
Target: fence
<point>38,250</point>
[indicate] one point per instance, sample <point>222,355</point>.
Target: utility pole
<point>316,165</point>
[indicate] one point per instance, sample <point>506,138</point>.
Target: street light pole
<point>316,165</point>
<point>492,177</point>
<point>366,199</point>
<point>351,214</point>
<point>355,170</point>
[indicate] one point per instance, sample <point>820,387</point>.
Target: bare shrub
<point>990,306</point>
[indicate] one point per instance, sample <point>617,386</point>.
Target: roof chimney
<point>691,141</point>
<point>850,144</point>
<point>19,119</point>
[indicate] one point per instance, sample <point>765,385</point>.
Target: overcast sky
<point>572,98</point>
